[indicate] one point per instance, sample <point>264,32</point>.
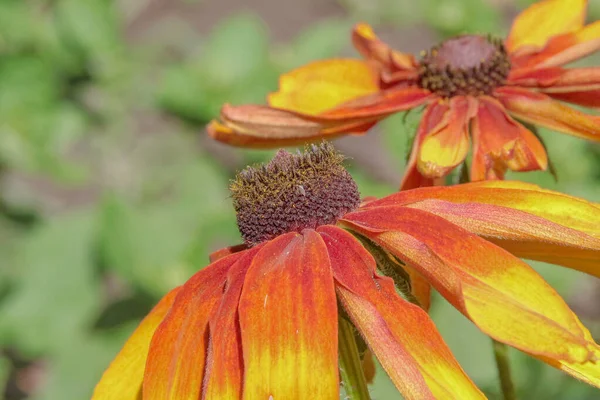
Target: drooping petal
<point>288,320</point>
<point>499,143</point>
<point>322,85</point>
<point>523,234</point>
<point>569,211</point>
<point>527,221</point>
<point>224,365</point>
<point>395,66</point>
<point>443,148</point>
<point>401,334</point>
<point>539,108</point>
<point>434,118</point>
<point>177,357</point>
<point>501,294</point>
<point>543,20</point>
<point>123,378</point>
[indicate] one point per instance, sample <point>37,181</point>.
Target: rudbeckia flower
<point>474,89</point>
<point>261,321</point>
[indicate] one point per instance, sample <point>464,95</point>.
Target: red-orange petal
<point>322,85</point>
<point>446,146</point>
<point>123,378</point>
<point>502,295</point>
<point>434,117</point>
<point>401,334</point>
<point>585,98</point>
<point>539,108</point>
<point>499,143</point>
<point>541,21</point>
<point>177,356</point>
<point>288,319</point>
<point>224,374</point>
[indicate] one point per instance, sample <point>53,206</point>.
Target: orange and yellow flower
<point>474,89</point>
<point>261,320</point>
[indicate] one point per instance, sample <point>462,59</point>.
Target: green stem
<point>353,376</point>
<point>503,365</point>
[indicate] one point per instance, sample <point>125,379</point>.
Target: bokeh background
<point>111,193</point>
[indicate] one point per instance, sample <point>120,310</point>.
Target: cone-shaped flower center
<point>293,192</point>
<point>465,65</point>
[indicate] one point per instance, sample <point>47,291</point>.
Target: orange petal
<point>177,357</point>
<point>224,365</point>
<point>543,20</point>
<point>420,288</point>
<point>123,378</point>
<point>434,117</point>
<point>503,296</point>
<point>401,334</point>
<point>539,108</point>
<point>443,148</point>
<point>322,85</point>
<point>558,80</point>
<point>564,49</point>
<point>528,221</point>
<point>288,319</point>
<point>500,143</point>
<point>372,48</point>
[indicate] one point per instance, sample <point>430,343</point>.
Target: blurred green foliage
<point>110,196</point>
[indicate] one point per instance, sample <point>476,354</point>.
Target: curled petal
<point>446,146</point>
<point>401,334</point>
<point>434,118</point>
<point>502,295</point>
<point>539,108</point>
<point>288,319</point>
<point>543,20</point>
<point>322,85</point>
<point>177,357</point>
<point>264,127</point>
<point>260,126</point>
<point>501,143</point>
<point>123,378</point>
<point>393,64</point>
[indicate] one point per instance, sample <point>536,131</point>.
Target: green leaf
<point>237,48</point>
<point>57,293</point>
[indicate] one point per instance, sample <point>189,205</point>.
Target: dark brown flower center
<point>465,65</point>
<point>293,192</point>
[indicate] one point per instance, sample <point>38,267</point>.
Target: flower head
<point>474,88</point>
<point>261,321</point>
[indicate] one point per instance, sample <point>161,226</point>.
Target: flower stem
<point>503,365</point>
<point>353,376</point>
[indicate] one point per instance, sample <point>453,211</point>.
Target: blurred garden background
<point>111,193</point>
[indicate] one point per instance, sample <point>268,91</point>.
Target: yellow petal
<point>543,20</point>
<point>322,85</point>
<point>123,378</point>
